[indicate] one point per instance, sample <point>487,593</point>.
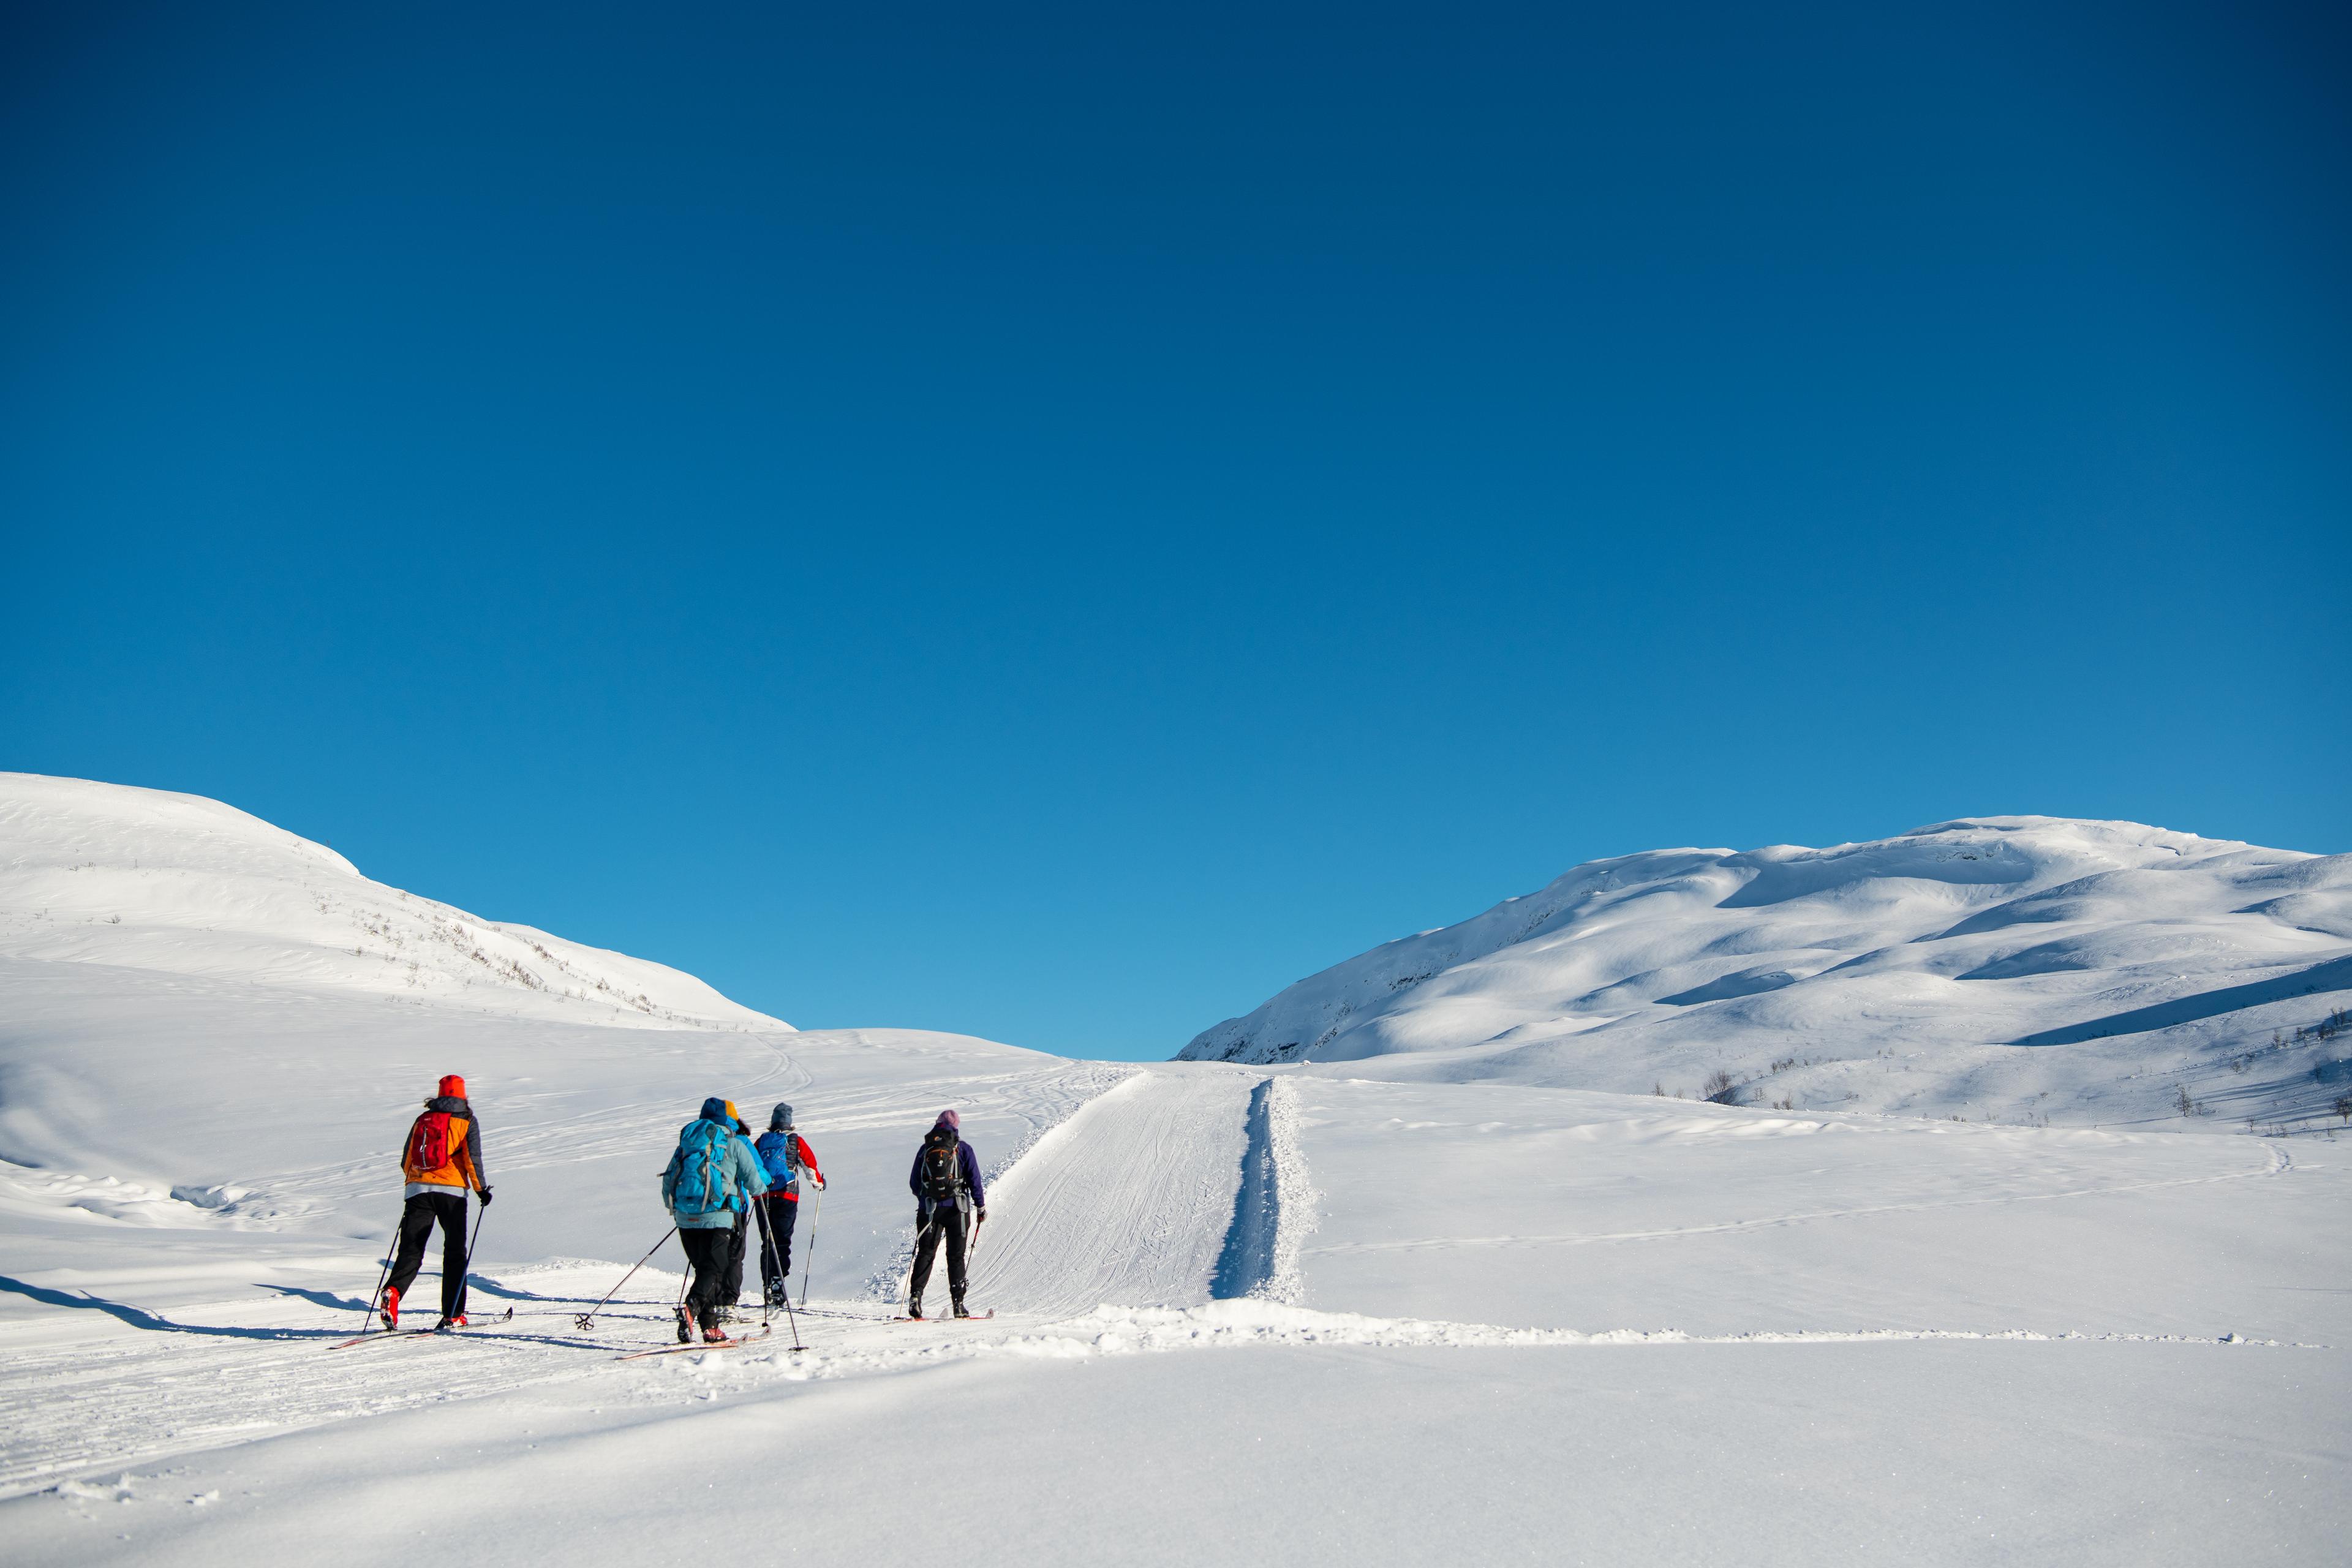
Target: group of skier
<point>720,1185</point>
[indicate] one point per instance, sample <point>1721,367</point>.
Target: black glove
<point>486,1197</point>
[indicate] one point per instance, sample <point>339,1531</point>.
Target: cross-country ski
<point>443,1330</point>
<point>753,1337</point>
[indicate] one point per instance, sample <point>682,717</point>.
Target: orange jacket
<point>463,1167</point>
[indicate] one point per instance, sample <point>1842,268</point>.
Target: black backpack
<point>942,1171</point>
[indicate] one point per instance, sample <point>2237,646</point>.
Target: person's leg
<point>730,1288</point>
<point>776,1214</point>
<point>780,1223</point>
<point>927,1242</point>
<point>416,1226</point>
<point>952,1224</point>
<point>450,1208</point>
<point>706,1250</point>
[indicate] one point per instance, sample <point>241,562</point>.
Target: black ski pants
<point>776,1260</point>
<point>730,1290</point>
<point>944,1221</point>
<point>706,1250</point>
<point>417,1218</point>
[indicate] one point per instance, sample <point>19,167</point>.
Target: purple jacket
<point>966,1161</point>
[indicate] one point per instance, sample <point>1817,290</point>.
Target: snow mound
<point>2023,966</point>
<point>146,879</point>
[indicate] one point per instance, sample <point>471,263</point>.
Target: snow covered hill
<point>1951,1345</point>
<point>2016,968</point>
<point>143,879</point>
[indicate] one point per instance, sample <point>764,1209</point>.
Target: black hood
<point>449,1104</point>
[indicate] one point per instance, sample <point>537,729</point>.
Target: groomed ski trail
<point>1129,1203</point>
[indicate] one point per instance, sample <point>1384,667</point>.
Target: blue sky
<point>1053,524</point>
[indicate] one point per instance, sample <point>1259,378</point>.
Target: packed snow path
<point>1136,1200</point>
<point>1129,1203</point>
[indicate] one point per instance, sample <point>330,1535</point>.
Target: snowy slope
<point>2023,968</point>
<point>142,879</point>
<point>1272,1313</point>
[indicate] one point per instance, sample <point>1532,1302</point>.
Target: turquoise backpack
<point>706,1169</point>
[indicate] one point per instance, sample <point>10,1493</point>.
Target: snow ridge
<point>1932,972</point>
<point>176,884</point>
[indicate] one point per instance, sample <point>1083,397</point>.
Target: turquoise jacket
<point>748,1181</point>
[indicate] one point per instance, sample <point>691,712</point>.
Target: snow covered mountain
<point>2110,1346</point>
<point>143,879</point>
<point>2019,967</point>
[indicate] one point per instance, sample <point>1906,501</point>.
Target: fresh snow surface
<point>140,878</point>
<point>2025,969</point>
<point>1246,1314</point>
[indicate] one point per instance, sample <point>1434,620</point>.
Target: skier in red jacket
<point>786,1156</point>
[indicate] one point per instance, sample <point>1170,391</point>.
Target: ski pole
<point>587,1320</point>
<point>385,1272</point>
<point>767,1260</point>
<point>768,1240</point>
<point>466,1273</point>
<point>922,1229</point>
<point>808,1253</point>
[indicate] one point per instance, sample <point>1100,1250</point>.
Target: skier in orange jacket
<point>443,1161</point>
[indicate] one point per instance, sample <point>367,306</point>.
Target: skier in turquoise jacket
<point>711,1179</point>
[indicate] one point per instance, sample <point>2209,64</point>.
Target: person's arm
<point>747,1164</point>
<point>808,1158</point>
<point>915,1179</point>
<point>669,1179</point>
<point>480,1179</point>
<point>971,1177</point>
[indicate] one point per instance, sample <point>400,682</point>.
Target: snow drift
<point>2019,966</point>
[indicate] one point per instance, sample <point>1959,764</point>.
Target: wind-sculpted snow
<point>1899,975</point>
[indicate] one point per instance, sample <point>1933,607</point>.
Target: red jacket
<point>779,1151</point>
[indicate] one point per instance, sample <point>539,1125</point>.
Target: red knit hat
<point>454,1087</point>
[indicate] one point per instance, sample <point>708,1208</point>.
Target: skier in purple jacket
<point>950,1204</point>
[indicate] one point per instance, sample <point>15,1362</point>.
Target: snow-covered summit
<point>1952,950</point>
<point>147,880</point>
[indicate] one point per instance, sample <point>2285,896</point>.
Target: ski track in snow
<point>521,1143</point>
<point>1128,1203</point>
<point>78,1393</point>
<point>1143,1197</point>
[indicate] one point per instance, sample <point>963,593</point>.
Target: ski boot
<point>958,1308</point>
<point>686,1334</point>
<point>454,1322</point>
<point>915,1308</point>
<point>390,1310</point>
<point>712,1334</point>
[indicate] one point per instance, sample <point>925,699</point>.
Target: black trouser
<point>776,1260</point>
<point>706,1250</point>
<point>416,1218</point>
<point>730,1290</point>
<point>943,1220</point>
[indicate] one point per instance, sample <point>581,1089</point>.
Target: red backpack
<point>428,1144</point>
